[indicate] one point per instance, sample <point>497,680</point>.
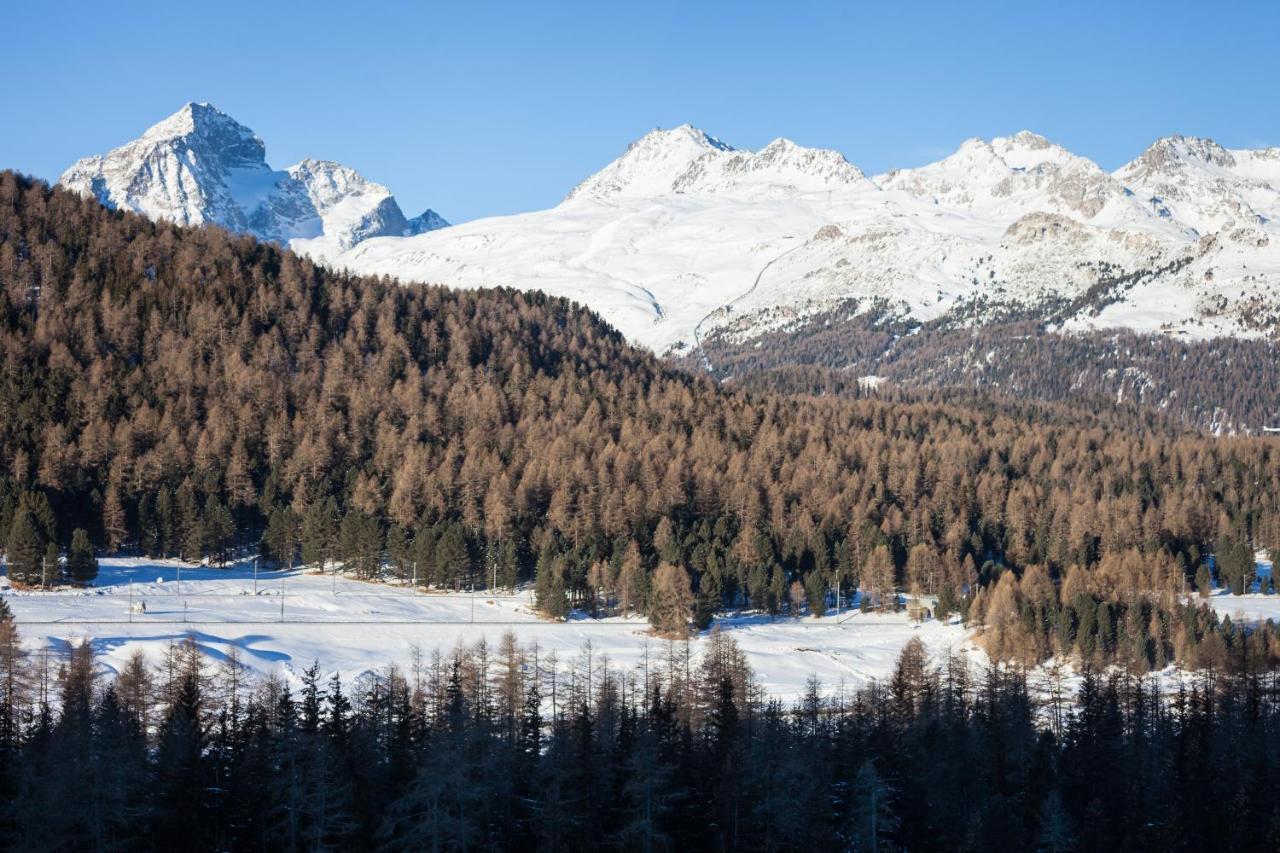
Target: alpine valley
<point>1012,265</point>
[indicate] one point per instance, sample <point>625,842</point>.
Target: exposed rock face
<point>201,167</point>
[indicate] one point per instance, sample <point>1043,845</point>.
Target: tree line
<point>505,747</point>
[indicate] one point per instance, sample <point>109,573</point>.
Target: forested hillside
<point>1219,385</point>
<point>188,392</point>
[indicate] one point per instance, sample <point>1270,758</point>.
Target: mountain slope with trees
<point>189,392</point>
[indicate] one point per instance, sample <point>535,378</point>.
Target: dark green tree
<point>82,565</point>
<point>24,548</point>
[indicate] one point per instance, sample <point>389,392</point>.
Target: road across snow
<point>355,627</point>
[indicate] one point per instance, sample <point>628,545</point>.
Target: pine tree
<point>189,524</point>
<point>549,591</point>
<point>871,818</point>
<point>1055,826</point>
<point>877,577</point>
<point>280,539</point>
<point>319,530</point>
<point>815,587</point>
<point>398,551</point>
<point>452,562</point>
<point>180,766</point>
<point>114,523</point>
<point>82,565</point>
<point>219,530</point>
<point>168,537</point>
<point>24,548</point>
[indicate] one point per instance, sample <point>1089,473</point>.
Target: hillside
<point>184,392</point>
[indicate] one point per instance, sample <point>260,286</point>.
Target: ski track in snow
<point>728,306</point>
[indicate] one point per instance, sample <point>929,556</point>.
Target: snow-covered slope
<point>683,233</point>
<point>199,166</point>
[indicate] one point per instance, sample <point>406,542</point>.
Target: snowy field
<point>353,627</point>
<point>1254,606</point>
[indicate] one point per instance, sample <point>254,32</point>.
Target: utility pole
<point>130,599</point>
<point>473,601</point>
<point>255,575</point>
<point>179,578</point>
<point>282,599</point>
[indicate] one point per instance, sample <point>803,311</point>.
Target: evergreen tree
<point>24,548</point>
<point>319,531</point>
<point>549,589</point>
<point>280,539</point>
<point>871,817</point>
<point>82,565</point>
<point>219,530</point>
<point>180,767</point>
<point>452,562</point>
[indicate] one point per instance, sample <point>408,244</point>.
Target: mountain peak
<point>683,132</point>
<point>200,166</point>
<point>1170,152</point>
<point>1024,141</point>
<point>780,168</point>
<point>651,164</point>
<point>208,130</point>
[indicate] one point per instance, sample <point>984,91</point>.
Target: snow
<point>679,236</point>
<point>683,234</point>
<point>200,166</point>
<point>364,627</point>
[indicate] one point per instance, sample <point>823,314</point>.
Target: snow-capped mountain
<point>199,166</point>
<point>1208,187</point>
<point>684,233</point>
<point>651,165</point>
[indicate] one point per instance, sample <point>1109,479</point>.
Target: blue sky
<point>479,109</point>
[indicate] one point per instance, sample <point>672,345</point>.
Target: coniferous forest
<point>190,393</point>
<point>501,749</point>
<point>184,392</point>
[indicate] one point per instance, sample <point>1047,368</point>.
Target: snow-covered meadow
<point>353,627</point>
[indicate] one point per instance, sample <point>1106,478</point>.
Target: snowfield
<point>364,627</point>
